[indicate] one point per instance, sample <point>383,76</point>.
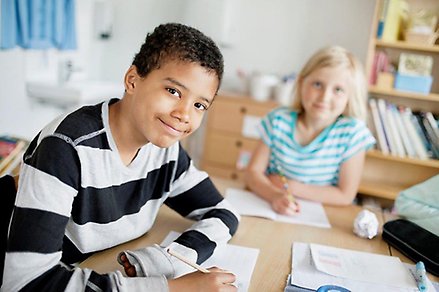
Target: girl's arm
<point>259,183</point>
<point>342,194</point>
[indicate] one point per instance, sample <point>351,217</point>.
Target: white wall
<point>275,36</point>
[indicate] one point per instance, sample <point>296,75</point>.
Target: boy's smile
<point>168,104</point>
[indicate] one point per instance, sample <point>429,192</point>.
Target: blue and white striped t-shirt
<point>318,162</point>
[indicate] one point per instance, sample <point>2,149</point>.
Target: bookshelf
<point>384,175</point>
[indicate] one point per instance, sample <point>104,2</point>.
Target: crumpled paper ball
<point>366,224</point>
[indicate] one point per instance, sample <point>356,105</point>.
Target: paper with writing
<point>238,259</point>
<point>348,264</point>
<point>249,204</point>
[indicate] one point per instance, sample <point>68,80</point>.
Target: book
<point>429,134</point>
<point>381,136</point>
<point>386,126</point>
<point>419,147</point>
<point>392,22</point>
<point>382,18</point>
<point>10,149</point>
<point>419,125</point>
<point>433,123</point>
<point>408,147</point>
<point>396,136</point>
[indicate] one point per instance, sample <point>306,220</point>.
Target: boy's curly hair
<point>174,41</point>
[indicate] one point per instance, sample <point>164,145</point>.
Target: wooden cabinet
<point>385,175</point>
<point>225,138</point>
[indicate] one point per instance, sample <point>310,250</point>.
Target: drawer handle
<point>243,110</point>
<point>238,144</point>
<point>234,176</point>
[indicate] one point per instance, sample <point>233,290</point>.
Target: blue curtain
<point>38,24</point>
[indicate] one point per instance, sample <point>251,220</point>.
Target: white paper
<point>305,273</point>
<point>250,126</point>
<point>249,204</point>
<point>237,259</point>
<point>361,266</point>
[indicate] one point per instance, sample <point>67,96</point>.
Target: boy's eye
<point>200,106</point>
<point>173,91</point>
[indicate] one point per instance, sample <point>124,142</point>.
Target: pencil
<point>285,182</point>
<point>187,261</point>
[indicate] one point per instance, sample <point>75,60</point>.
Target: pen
<point>187,261</point>
<point>420,276</point>
<point>285,185</point>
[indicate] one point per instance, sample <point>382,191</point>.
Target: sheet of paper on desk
<point>316,265</point>
<point>238,259</point>
<point>249,204</point>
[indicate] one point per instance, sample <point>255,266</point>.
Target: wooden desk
<point>273,239</point>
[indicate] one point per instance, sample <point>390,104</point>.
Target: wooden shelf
<point>384,191</point>
<point>403,45</point>
<point>433,163</point>
<point>405,94</point>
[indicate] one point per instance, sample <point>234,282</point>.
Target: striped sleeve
<point>361,140</point>
<point>265,128</point>
<point>194,196</point>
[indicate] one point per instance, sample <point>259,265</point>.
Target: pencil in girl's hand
<point>187,261</point>
<point>285,185</point>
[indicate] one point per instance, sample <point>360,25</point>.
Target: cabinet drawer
<point>227,114</point>
<point>224,172</point>
<point>225,149</point>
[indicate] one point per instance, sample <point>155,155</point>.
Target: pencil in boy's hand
<point>187,261</point>
<point>285,185</point>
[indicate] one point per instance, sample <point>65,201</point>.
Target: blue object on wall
<point>38,24</point>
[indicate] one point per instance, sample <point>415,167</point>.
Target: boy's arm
<point>193,196</point>
<point>42,209</point>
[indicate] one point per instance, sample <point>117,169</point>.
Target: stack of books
<point>401,132</point>
<point>11,154</point>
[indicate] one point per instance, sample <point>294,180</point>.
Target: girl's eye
<point>317,84</point>
<point>339,90</point>
<point>200,106</point>
<point>173,91</point>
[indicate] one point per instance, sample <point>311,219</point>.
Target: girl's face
<point>325,93</point>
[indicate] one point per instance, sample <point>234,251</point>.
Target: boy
<point>96,178</point>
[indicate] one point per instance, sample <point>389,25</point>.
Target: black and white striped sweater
<point>76,197</point>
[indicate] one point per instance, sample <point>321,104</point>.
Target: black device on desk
<point>415,242</point>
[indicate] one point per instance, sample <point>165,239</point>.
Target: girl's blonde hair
<point>335,56</point>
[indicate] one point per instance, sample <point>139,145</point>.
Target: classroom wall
<point>274,36</point>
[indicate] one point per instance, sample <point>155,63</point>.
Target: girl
<point>319,143</point>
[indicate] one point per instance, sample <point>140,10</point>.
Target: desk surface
<point>273,239</point>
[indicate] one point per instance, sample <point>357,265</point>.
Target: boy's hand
<point>216,280</point>
<point>130,270</point>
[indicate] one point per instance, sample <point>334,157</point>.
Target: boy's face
<point>169,103</point>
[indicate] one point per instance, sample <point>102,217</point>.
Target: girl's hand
<point>216,280</point>
<point>283,205</point>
